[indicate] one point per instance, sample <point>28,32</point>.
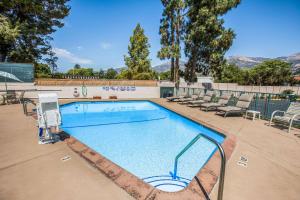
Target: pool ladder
<point>174,180</point>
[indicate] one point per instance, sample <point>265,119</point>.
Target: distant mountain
<point>244,61</point>
<point>159,68</point>
<point>167,66</point>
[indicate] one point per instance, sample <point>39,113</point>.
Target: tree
<point>51,60</point>
<point>81,72</point>
<point>36,20</point>
<point>171,31</point>
<point>271,72</point>
<point>125,74</point>
<point>8,36</point>
<point>111,73</point>
<point>100,74</point>
<point>42,70</point>
<point>137,60</point>
<point>165,75</point>
<point>232,74</point>
<point>77,66</point>
<point>207,40</point>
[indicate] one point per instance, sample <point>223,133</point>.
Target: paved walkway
<point>32,171</point>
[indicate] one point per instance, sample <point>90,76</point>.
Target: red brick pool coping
<point>208,174</point>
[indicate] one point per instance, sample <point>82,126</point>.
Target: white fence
<point>122,92</point>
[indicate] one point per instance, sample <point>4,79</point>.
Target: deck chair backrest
<point>224,99</point>
<point>194,96</point>
<point>201,94</point>
<point>208,96</point>
<point>293,109</point>
<point>244,101</point>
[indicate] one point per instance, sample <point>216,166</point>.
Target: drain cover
<point>243,161</point>
<point>65,158</point>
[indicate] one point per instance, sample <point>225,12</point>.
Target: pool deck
<point>32,171</point>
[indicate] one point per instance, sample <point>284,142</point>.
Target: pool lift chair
<point>48,118</point>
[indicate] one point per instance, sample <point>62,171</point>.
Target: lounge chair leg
<point>290,126</point>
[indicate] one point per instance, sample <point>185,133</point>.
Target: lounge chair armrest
<point>277,111</point>
<point>295,117</point>
<point>273,114</point>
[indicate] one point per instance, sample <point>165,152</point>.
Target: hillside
<point>244,61</point>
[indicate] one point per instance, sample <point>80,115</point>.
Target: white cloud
<point>79,48</point>
<point>65,54</point>
<point>105,45</point>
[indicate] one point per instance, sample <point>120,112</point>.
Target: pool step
<point>167,183</point>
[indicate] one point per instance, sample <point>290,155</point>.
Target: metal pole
<point>223,163</point>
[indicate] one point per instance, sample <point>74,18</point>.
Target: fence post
<point>268,105</point>
<point>256,100</point>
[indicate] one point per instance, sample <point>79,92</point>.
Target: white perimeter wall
<point>67,91</point>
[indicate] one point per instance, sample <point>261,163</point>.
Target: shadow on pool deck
<point>32,171</point>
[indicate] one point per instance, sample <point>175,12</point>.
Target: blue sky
<point>96,33</point>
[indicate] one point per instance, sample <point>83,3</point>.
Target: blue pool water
<point>140,136</point>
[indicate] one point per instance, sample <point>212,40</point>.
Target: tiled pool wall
<point>208,174</point>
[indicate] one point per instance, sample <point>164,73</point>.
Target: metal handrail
<point>195,139</point>
<point>223,164</point>
<point>223,161</point>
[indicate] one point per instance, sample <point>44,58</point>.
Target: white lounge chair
<point>291,115</point>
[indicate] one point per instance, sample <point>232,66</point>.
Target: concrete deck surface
<point>32,171</point>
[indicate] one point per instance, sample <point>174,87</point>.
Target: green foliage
<point>232,74</point>
<point>207,40</point>
<point>111,74</point>
<point>165,75</point>
<point>143,76</point>
<point>8,35</point>
<point>125,74</point>
<point>171,32</point>
<point>137,60</point>
<point>36,21</point>
<point>42,70</point>
<point>77,66</point>
<point>81,72</point>
<point>271,72</point>
<point>58,75</point>
<point>100,74</point>
<point>288,94</point>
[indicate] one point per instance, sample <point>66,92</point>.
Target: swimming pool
<point>141,137</point>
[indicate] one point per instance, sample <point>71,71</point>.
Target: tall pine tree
<point>137,61</point>
<point>207,40</point>
<point>171,31</point>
